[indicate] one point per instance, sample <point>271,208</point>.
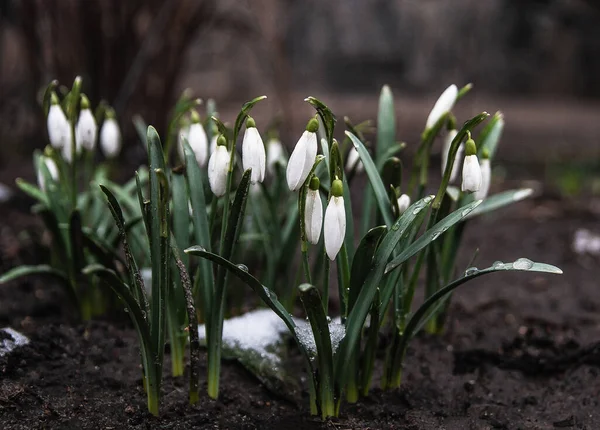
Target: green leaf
<point>32,191</point>
<point>311,299</point>
<point>374,178</point>
<point>141,128</point>
<point>195,184</point>
<point>363,262</point>
<point>41,269</point>
<point>499,200</point>
<point>246,108</point>
<point>356,317</point>
<point>490,135</point>
<point>132,266</point>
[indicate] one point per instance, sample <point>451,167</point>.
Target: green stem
<point>326,270</point>
<point>305,264</point>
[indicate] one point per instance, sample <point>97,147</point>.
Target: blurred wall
<point>140,54</point>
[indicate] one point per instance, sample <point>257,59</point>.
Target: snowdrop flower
<point>354,159</point>
<point>275,154</point>
<point>52,169</point>
<point>67,149</point>
<point>303,156</point>
<point>253,152</point>
<point>197,139</point>
<point>86,130</point>
<point>58,125</point>
<point>110,135</point>
<point>334,228</point>
<point>486,176</point>
<point>446,150</point>
<point>471,174</point>
<point>442,106</point>
<point>313,212</point>
<point>218,167</point>
<point>403,203</point>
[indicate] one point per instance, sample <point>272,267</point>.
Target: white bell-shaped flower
<point>313,212</point>
<point>52,169</point>
<point>443,105</point>
<point>403,203</point>
<point>110,136</point>
<point>197,139</point>
<point>334,228</point>
<point>457,159</point>
<point>218,167</point>
<point>471,173</point>
<point>354,159</point>
<point>86,130</point>
<point>275,154</point>
<point>58,125</point>
<point>486,177</point>
<point>253,152</point>
<point>67,149</point>
<point>303,156</point>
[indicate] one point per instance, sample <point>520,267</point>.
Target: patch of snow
<point>337,332</point>
<point>586,242</point>
<point>7,345</point>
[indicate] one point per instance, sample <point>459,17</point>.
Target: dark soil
<point>521,351</point>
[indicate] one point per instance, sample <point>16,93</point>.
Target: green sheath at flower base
<point>470,147</point>
<point>314,183</point>
<point>337,188</point>
<point>221,140</point>
<point>250,123</point>
<point>194,116</point>
<point>54,99</point>
<point>485,155</point>
<point>85,102</point>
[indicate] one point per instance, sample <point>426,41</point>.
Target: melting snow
<point>16,340</point>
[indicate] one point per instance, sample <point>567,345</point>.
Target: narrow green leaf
<point>386,124</point>
<point>32,191</point>
<point>41,269</point>
<point>499,200</point>
<point>374,178</point>
<point>432,234</point>
<point>141,129</point>
<point>327,117</point>
<point>490,135</point>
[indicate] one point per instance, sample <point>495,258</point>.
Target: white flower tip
<point>443,105</point>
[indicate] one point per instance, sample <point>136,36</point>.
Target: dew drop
<point>466,212</point>
<point>471,271</point>
<point>523,264</point>
<point>242,267</point>
<point>498,265</point>
<point>416,211</point>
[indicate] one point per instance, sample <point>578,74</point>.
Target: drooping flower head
<point>354,160</point>
<point>471,173</point>
<point>275,155</point>
<point>303,156</point>
<point>197,139</point>
<point>253,152</point>
<point>58,125</point>
<point>86,130</point>
<point>52,169</point>
<point>218,167</point>
<point>313,212</point>
<point>443,105</point>
<point>403,203</point>
<point>110,135</point>
<point>486,176</point>
<point>334,228</point>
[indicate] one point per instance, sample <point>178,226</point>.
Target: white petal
<point>334,228</point>
<point>86,130</point>
<point>67,148</point>
<point>313,216</point>
<point>354,158</point>
<point>199,143</point>
<point>110,138</point>
<point>471,177</point>
<point>403,203</point>
<point>486,178</point>
<point>52,169</point>
<point>213,143</point>
<point>218,165</point>
<point>253,154</point>
<point>301,160</point>
<point>57,127</point>
<point>443,105</point>
<point>275,154</point>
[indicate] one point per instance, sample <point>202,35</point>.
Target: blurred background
<point>536,60</point>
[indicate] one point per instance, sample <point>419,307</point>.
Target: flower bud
<point>58,125</point>
<point>253,152</point>
<point>196,137</point>
<point>275,154</point>
<point>218,167</point>
<point>313,212</point>
<point>334,228</point>
<point>52,169</point>
<point>443,105</point>
<point>486,176</point>
<point>471,174</point>
<point>110,135</point>
<point>86,130</point>
<point>303,156</point>
<point>403,203</point>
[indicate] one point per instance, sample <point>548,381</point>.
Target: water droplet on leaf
<point>523,264</point>
<point>471,271</point>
